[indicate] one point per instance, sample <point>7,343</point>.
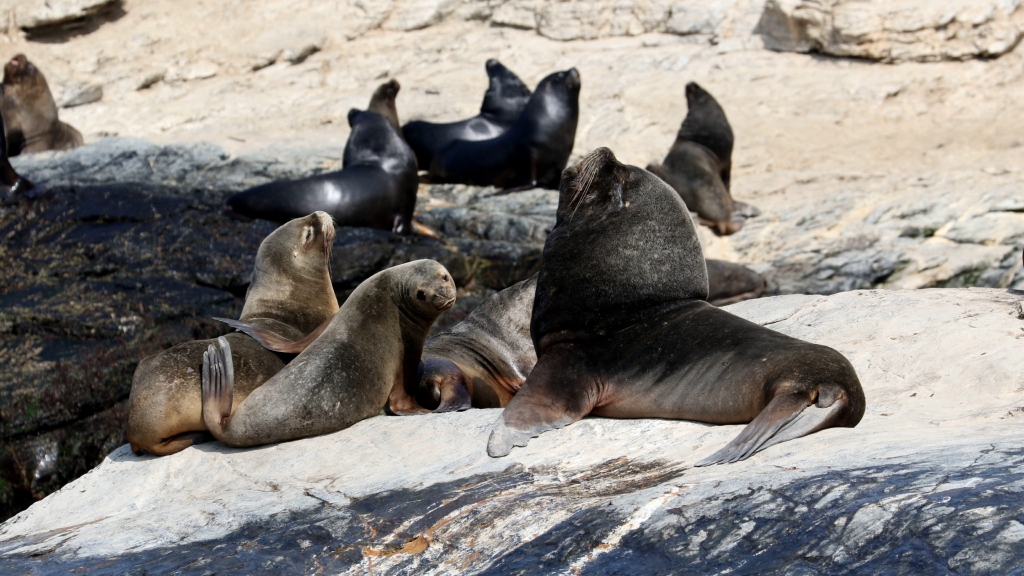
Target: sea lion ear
<point>353,114</point>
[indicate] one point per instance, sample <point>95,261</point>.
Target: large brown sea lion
<point>290,293</point>
<point>622,329</point>
<point>31,113</point>
<point>366,357</point>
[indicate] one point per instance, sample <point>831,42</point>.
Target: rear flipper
<point>555,394</point>
<point>424,230</point>
<point>786,417</point>
<point>274,341</point>
<point>218,386</point>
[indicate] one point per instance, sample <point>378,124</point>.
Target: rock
<point>78,94</point>
<point>33,14</point>
<point>894,31</point>
<point>150,79</point>
<point>201,71</point>
<point>931,477</point>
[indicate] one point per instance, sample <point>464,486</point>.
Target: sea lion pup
<point>11,183</point>
<point>376,187</point>
<point>31,113</point>
<point>366,357</point>
<point>505,98</point>
<point>729,283</point>
<point>533,152</point>
<point>622,329</point>
<point>483,360</point>
<point>290,293</point>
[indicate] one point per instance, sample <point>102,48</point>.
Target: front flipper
<point>218,386</point>
<point>557,392</point>
<point>786,417</point>
<point>454,397</point>
<point>274,341</point>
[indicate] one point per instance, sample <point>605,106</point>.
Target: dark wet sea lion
<point>706,124</point>
<point>533,152</point>
<point>290,293</point>
<point>505,98</point>
<point>622,329</point>
<point>483,360</point>
<point>11,183</point>
<point>31,113</point>
<point>376,187</point>
<point>729,283</point>
<point>365,358</point>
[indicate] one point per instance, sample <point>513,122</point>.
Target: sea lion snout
<point>572,79</point>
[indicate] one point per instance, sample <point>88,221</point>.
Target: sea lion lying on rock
<point>31,113</point>
<point>531,153</point>
<point>376,187</point>
<point>504,100</point>
<point>622,329</point>
<point>366,357</point>
<point>699,164</point>
<point>290,293</point>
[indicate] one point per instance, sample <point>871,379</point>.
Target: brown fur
<point>30,113</point>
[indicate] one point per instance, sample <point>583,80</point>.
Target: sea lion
<point>729,283</point>
<point>532,152</point>
<point>383,102</point>
<point>505,98</point>
<point>703,147</point>
<point>11,183</point>
<point>365,358</point>
<point>483,360</point>
<point>31,113</point>
<point>290,293</point>
<point>376,187</point>
<point>622,329</point>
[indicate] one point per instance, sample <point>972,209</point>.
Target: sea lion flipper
<point>786,417</point>
<point>274,341</point>
<point>454,397</point>
<point>548,400</point>
<point>424,230</point>
<point>218,386</point>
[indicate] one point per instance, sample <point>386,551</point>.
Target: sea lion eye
<point>307,235</point>
<point>444,277</point>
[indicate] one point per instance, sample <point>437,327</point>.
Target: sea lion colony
<point>616,323</point>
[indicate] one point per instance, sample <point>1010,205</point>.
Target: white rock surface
<point>894,30</point>
<point>31,14</point>
<point>931,478</point>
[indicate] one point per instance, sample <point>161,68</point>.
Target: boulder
<point>929,481</point>
<point>894,30</point>
<point>32,14</point>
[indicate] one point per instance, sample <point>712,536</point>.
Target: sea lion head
<point>623,241</point>
<point>27,102</point>
<point>506,94</point>
<point>427,287</point>
<point>375,140</point>
<point>291,279</point>
<point>19,70</point>
<point>383,102</point>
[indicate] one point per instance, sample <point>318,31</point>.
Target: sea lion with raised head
<point>366,357</point>
<point>383,102</point>
<point>622,329</point>
<point>376,187</point>
<point>702,150</point>
<point>31,113</point>
<point>504,100</point>
<point>290,293</point>
<point>531,153</point>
